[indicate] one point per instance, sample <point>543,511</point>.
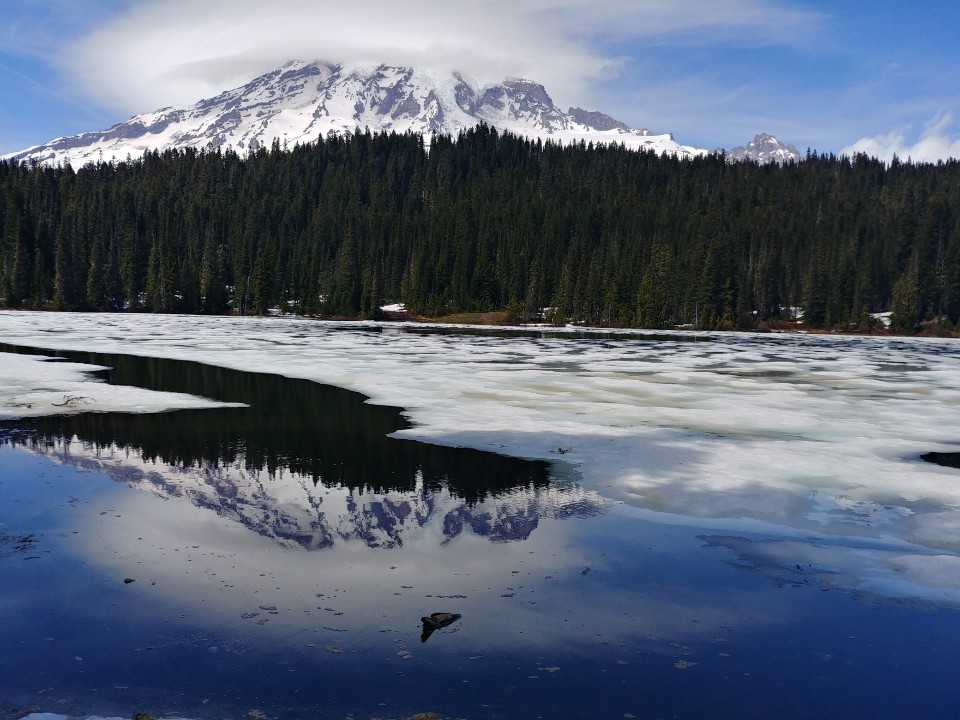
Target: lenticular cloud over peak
<point>167,52</point>
<point>180,51</point>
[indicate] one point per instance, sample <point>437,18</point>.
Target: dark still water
<point>275,560</point>
<point>325,433</point>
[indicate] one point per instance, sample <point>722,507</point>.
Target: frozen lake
<point>674,525</point>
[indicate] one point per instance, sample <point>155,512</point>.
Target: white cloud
<point>164,52</point>
<point>934,144</point>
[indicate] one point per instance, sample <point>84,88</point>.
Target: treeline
<point>488,221</point>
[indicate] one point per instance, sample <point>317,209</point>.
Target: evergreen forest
<point>487,221</point>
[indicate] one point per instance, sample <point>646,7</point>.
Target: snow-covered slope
<point>300,102</point>
<point>764,149</point>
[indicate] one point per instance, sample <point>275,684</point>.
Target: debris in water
<point>436,621</point>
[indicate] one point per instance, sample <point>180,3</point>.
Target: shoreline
<point>498,319</point>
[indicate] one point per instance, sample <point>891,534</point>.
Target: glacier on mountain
<point>302,101</point>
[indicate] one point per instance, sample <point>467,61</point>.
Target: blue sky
<point>880,76</point>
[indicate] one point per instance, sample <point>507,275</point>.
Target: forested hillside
<point>600,235</point>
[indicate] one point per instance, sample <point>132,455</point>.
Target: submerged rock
<point>435,621</point>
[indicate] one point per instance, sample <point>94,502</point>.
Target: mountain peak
<point>302,101</point>
<point>764,148</point>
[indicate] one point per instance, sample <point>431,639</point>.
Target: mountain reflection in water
<point>305,464</point>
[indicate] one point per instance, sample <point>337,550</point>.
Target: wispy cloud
<point>935,143</point>
<point>43,88</point>
<point>40,28</point>
<point>164,52</point>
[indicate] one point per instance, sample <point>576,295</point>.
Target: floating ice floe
<point>35,386</point>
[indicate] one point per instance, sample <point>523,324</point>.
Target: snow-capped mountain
<point>300,102</point>
<point>764,149</point>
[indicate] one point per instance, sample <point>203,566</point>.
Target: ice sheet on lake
<point>33,386</point>
<point>799,438</point>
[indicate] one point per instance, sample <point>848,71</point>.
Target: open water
<point>274,561</point>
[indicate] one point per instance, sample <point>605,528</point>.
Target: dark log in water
<point>947,459</point>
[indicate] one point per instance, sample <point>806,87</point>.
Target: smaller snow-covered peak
<point>763,149</point>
